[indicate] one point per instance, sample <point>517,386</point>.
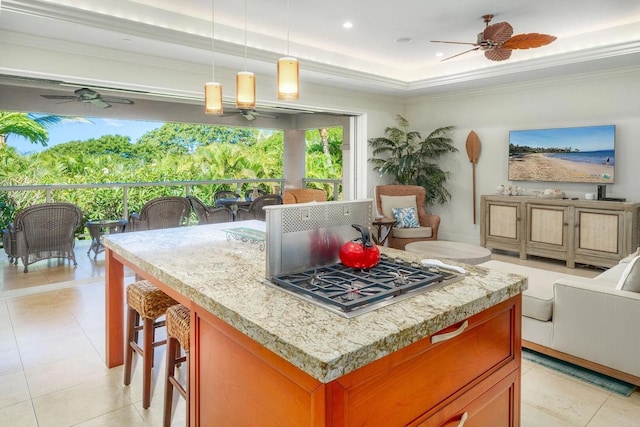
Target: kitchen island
<point>261,357</point>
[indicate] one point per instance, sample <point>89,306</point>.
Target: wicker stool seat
<point>178,330</point>
<point>145,304</point>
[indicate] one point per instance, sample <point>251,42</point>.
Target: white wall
<point>582,100</point>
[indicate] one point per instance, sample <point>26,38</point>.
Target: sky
<point>80,131</point>
<point>591,138</point>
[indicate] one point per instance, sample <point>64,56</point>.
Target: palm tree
<point>411,160</point>
<point>30,126</point>
<point>21,124</point>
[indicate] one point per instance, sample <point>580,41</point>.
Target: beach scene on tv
<point>580,154</point>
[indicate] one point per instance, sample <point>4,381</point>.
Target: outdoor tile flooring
<point>52,370</point>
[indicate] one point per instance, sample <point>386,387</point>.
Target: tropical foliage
<point>411,160</point>
<point>173,152</point>
<point>31,126</point>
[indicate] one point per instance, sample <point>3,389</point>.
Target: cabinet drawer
<point>482,406</point>
<point>424,374</point>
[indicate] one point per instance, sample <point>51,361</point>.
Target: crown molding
<point>342,76</point>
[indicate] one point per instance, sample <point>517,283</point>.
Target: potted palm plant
<point>412,160</point>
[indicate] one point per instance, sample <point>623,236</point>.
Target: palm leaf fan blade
<point>528,41</point>
<point>461,53</point>
<point>497,54</point>
<point>498,33</point>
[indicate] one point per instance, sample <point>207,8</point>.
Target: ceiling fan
<point>91,96</point>
<point>497,42</point>
<point>251,114</point>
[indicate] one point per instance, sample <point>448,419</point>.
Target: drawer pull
<point>449,335</point>
<point>463,419</point>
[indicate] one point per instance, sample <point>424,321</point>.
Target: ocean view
<point>600,157</point>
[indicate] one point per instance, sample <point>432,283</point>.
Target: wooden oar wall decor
<point>473,151</point>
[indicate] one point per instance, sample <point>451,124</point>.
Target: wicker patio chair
<point>9,244</point>
<point>44,231</point>
<point>249,193</point>
<point>255,211</point>
<point>209,214</point>
<point>161,212</point>
<point>387,195</point>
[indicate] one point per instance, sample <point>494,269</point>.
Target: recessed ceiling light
<point>347,24</point>
<point>439,54</point>
<point>403,40</point>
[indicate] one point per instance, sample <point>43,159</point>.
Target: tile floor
<point>52,371</point>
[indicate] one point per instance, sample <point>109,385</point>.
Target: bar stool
<point>145,304</point>
<point>178,330</point>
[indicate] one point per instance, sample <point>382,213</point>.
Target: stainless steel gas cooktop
<point>352,292</point>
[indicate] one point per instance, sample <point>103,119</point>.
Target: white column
<point>294,158</point>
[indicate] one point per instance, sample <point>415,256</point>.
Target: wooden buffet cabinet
<point>590,232</point>
<point>470,370</point>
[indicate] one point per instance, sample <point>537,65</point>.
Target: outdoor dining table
<point>233,204</point>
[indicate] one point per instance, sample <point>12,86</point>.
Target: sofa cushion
<point>630,279</point>
<point>405,217</point>
<point>537,300</point>
<point>389,202</point>
<point>411,233</point>
<point>613,274</point>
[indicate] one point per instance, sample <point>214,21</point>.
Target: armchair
<point>390,196</point>
<point>9,244</point>
<point>303,195</point>
<point>43,231</point>
<point>255,211</point>
<point>161,212</point>
<point>209,214</point>
<point>249,193</point>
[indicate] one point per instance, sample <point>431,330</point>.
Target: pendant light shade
<point>288,79</point>
<point>212,89</point>
<point>288,73</point>
<point>213,98</point>
<point>245,80</point>
<point>245,90</point>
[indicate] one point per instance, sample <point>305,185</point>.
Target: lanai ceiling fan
<point>497,42</point>
<point>251,114</point>
<point>91,96</point>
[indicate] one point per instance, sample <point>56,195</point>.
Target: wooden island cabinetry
<point>262,357</point>
<point>472,368</point>
<point>577,231</point>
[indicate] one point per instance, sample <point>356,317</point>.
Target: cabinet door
<point>501,225</point>
<point>547,228</point>
<point>599,233</point>
<point>495,406</point>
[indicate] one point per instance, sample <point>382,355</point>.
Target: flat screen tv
<point>577,154</point>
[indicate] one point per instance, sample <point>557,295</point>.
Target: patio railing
<point>187,187</point>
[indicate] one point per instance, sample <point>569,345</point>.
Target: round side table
<point>383,228</point>
<point>101,227</point>
<point>456,251</point>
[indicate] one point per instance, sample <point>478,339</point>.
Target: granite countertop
<point>227,278</point>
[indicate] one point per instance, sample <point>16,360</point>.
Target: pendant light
<point>213,89</point>
<point>245,80</point>
<point>288,73</point>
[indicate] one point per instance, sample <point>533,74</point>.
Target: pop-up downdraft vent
<point>302,219</point>
<point>301,236</point>
<point>311,217</point>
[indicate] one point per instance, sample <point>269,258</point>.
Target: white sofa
<point>584,321</point>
